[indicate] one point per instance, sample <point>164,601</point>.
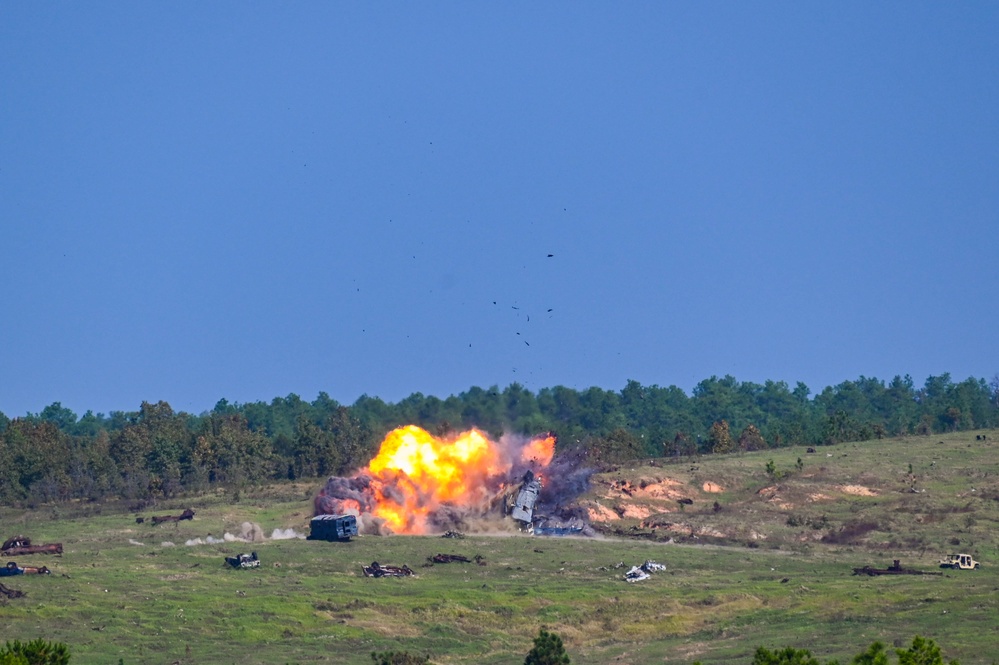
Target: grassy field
<point>757,559</point>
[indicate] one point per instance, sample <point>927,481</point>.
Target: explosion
<point>419,483</point>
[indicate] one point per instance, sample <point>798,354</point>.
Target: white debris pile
<point>639,573</point>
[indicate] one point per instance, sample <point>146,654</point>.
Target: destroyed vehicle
<point>960,562</point>
<point>12,569</point>
<point>636,574</point>
<point>378,570</point>
<point>186,515</point>
<point>243,561</point>
<point>523,509</point>
<point>332,528</point>
<point>16,541</point>
<point>640,573</point>
<point>20,545</point>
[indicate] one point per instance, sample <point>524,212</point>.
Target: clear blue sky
<point>247,200</point>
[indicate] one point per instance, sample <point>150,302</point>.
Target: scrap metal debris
<point>11,593</point>
<point>449,558</point>
<point>243,561</point>
<point>452,534</point>
<point>378,570</point>
<point>639,573</point>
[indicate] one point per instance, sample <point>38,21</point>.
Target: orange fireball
<point>416,473</point>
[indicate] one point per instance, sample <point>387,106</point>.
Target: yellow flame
<point>415,472</point>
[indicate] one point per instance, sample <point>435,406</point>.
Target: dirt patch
<point>635,512</point>
<point>598,513</point>
<point>818,496</point>
<point>714,488</point>
<point>661,490</point>
<point>858,490</point>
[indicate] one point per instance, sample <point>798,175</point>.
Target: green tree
<point>37,454</point>
<point>62,417</point>
<point>315,450</point>
<point>354,443</point>
<point>170,445</point>
<point>875,655</point>
<point>548,650</point>
<point>923,651</point>
<point>228,452</point>
<point>618,446</point>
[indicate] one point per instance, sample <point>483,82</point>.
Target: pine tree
<point>548,650</point>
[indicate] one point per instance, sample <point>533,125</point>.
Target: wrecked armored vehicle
<point>332,528</point>
<point>243,561</point>
<point>523,508</point>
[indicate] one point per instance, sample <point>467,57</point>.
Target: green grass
<point>724,592</point>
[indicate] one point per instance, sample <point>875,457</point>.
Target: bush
<point>785,656</point>
<point>399,658</point>
<point>37,652</point>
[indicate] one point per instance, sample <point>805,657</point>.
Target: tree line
<point>56,455</point>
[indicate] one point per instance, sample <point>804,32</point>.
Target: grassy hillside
<point>763,555</point>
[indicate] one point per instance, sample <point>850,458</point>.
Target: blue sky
<point>244,201</point>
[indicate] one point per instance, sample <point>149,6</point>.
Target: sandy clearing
<point>858,490</point>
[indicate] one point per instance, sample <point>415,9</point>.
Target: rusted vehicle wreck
<point>21,545</point>
<point>186,515</point>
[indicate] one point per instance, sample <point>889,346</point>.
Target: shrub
<point>36,652</point>
<point>785,656</point>
<point>399,658</point>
